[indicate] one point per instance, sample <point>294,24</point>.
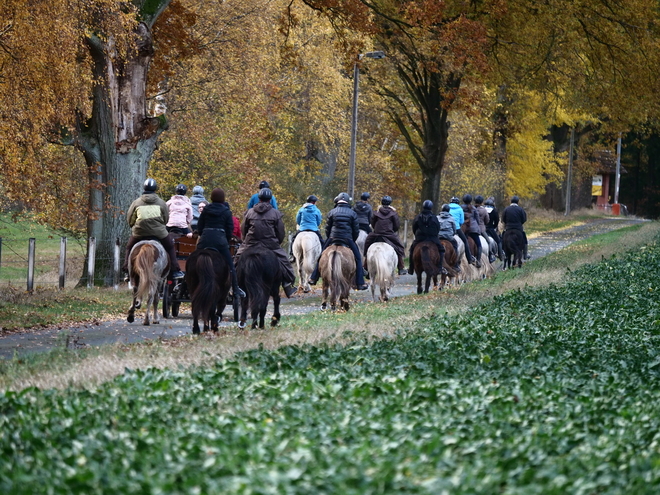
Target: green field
<point>541,390</point>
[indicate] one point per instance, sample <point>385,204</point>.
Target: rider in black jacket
<point>514,217</point>
<point>364,212</point>
<point>342,227</point>
<point>426,227</point>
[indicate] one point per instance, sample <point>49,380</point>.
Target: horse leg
<point>146,313</point>
<point>427,284</point>
<point>324,303</point>
<point>419,282</point>
<point>195,328</point>
<point>276,309</point>
<point>156,298</point>
<point>244,308</point>
<point>131,311</point>
<point>214,322</point>
<point>262,318</point>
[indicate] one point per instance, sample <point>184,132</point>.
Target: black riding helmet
<point>150,186</point>
<point>342,197</point>
<point>365,196</point>
<point>490,202</point>
<point>467,199</point>
<point>427,205</point>
<point>445,207</point>
<point>454,199</point>
<point>265,194</point>
<point>386,201</point>
<point>479,199</point>
<point>181,190</point>
<point>312,199</point>
<point>264,185</point>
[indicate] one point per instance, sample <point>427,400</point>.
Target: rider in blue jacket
<point>308,219</point>
<point>254,200</point>
<point>459,216</point>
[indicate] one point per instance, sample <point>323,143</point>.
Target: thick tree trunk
<point>117,142</point>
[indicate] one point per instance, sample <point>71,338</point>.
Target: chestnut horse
<point>337,267</point>
<point>148,266</point>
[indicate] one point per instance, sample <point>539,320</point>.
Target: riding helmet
<point>467,199</point>
<point>181,190</point>
<point>479,199</point>
<point>265,194</point>
<point>490,201</point>
<point>427,205</point>
<point>198,190</point>
<point>386,201</point>
<point>342,197</point>
<point>365,196</point>
<point>312,199</point>
<point>445,207</point>
<point>454,199</point>
<point>264,185</point>
<point>515,199</point>
<point>150,186</point>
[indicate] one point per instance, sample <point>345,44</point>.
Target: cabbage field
<point>546,390</point>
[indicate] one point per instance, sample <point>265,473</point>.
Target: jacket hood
<point>308,206</point>
<point>150,198</point>
<point>386,211</point>
<point>445,214</point>
<point>262,207</point>
<point>361,206</point>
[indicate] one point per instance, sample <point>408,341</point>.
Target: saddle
<point>340,242</point>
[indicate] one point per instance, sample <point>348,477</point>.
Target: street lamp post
<point>356,90</point>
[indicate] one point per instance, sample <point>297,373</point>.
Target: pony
<point>513,244</point>
<point>307,250</point>
<point>148,266</point>
<point>425,260</point>
<point>449,262</point>
<point>337,267</point>
<point>260,276</point>
<point>382,262</point>
<point>208,279</point>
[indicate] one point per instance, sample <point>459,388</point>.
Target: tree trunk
<point>117,142</point>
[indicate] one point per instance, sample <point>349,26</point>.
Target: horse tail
<point>206,293</point>
<point>144,267</point>
<point>256,285</point>
<point>427,263</point>
<point>338,283</point>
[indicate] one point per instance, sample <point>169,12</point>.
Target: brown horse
<point>449,262</point>
<point>425,260</point>
<point>337,267</point>
<point>208,280</point>
<point>148,266</point>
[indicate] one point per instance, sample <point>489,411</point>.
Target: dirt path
<point>119,331</point>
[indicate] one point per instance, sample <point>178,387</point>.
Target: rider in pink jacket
<point>181,213</point>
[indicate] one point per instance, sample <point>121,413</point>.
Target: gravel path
<point>119,331</point>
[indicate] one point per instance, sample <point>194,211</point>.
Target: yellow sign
<point>597,185</point>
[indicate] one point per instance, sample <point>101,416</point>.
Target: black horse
<point>259,274</point>
<point>513,244</point>
<point>426,260</point>
<point>208,279</point>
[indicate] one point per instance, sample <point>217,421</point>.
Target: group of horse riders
<point>152,218</point>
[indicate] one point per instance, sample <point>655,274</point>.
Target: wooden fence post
<point>62,262</point>
<point>115,264</point>
<point>30,274</point>
<point>0,251</point>
<point>91,262</point>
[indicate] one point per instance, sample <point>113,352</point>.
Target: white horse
<point>307,250</point>
<point>382,261</point>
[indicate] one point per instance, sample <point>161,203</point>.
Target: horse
<point>208,279</point>
<point>148,266</point>
<point>362,238</point>
<point>382,261</point>
<point>513,244</point>
<point>307,250</point>
<point>425,260</point>
<point>260,276</point>
<point>337,267</point>
<point>449,262</point>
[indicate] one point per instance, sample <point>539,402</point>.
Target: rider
<point>181,211</point>
<point>385,223</point>
<point>484,219</point>
<point>342,228</point>
<point>308,219</point>
<point>493,222</point>
<point>254,200</point>
<point>215,228</point>
<point>472,225</point>
<point>426,227</point>
<point>263,227</point>
<point>448,230</point>
<point>457,212</point>
<point>147,217</point>
<point>513,218</point>
<point>196,198</point>
<point>364,212</point>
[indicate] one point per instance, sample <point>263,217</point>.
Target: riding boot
<point>236,290</point>
<point>479,253</point>
<point>441,268</point>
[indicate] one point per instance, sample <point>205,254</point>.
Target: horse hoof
<point>130,318</point>
<point>138,304</point>
<point>306,291</point>
<point>241,325</point>
<point>274,321</point>
<point>324,306</point>
<point>146,323</point>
